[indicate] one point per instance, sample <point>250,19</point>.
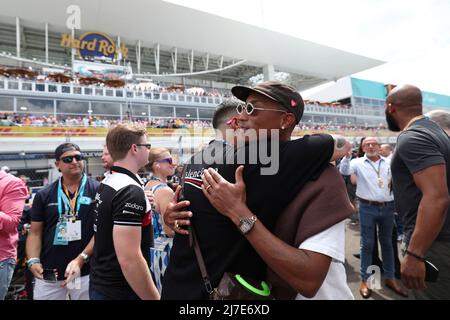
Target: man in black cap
<point>55,258</point>
<point>271,111</point>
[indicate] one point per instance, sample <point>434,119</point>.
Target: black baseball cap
<point>62,148</point>
<point>282,93</point>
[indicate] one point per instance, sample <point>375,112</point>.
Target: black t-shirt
<point>45,209</point>
<point>422,145</point>
<point>120,201</point>
<point>223,247</point>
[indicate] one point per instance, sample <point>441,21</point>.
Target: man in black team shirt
<point>278,108</point>
<point>122,226</point>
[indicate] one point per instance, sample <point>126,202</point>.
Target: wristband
<point>32,261</point>
<point>415,255</point>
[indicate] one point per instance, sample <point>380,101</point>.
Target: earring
<point>282,128</point>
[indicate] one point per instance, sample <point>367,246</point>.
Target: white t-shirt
<point>330,242</point>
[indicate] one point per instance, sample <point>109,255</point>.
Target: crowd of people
<point>14,119</point>
<point>281,222</point>
<point>341,127</point>
<point>138,86</point>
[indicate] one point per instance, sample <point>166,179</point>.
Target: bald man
<point>421,176</point>
<point>442,118</point>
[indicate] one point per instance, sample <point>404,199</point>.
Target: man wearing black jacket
<point>273,107</point>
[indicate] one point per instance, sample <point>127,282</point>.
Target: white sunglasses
<point>250,108</point>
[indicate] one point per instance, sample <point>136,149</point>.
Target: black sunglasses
<point>147,145</point>
<point>69,159</point>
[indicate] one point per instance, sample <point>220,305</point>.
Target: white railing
<point>74,90</point>
<point>96,91</point>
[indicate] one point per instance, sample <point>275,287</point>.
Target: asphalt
<point>352,267</point>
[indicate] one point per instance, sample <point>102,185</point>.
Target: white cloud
<point>413,36</point>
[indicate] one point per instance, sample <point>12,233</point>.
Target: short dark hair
<point>64,147</point>
<point>224,112</point>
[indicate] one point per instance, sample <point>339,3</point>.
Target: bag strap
<point>201,262</point>
<point>194,242</point>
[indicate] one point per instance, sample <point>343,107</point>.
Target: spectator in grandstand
<point>274,106</point>
<point>12,199</point>
<point>121,259</point>
<point>386,151</point>
<point>372,177</point>
<point>421,178</point>
<point>66,203</point>
<point>442,118</point>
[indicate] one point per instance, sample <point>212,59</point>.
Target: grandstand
<point>366,101</point>
<point>168,68</point>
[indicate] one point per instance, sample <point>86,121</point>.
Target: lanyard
<point>377,171</point>
<point>71,206</point>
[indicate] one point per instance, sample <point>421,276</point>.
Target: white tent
<point>195,91</point>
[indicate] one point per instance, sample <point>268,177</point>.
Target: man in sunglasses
<point>270,107</point>
<point>66,203</point>
<point>120,268</point>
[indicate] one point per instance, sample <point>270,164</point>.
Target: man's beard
<point>392,124</point>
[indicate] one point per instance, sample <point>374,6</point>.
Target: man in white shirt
<point>331,243</point>
<point>372,175</point>
<point>386,151</point>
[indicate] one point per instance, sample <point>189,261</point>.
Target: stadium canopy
<point>173,39</point>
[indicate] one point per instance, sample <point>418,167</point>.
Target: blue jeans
<point>370,216</point>
<point>399,224</point>
<point>6,273</point>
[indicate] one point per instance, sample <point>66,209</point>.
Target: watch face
<point>245,225</point>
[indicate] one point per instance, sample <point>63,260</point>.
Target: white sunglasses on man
<point>250,108</point>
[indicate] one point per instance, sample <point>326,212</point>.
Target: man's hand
<point>37,270</point>
<point>341,147</point>
<point>413,273</point>
<point>73,270</point>
<point>174,217</point>
<point>226,197</point>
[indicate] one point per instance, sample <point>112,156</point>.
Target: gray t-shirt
<point>422,145</point>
